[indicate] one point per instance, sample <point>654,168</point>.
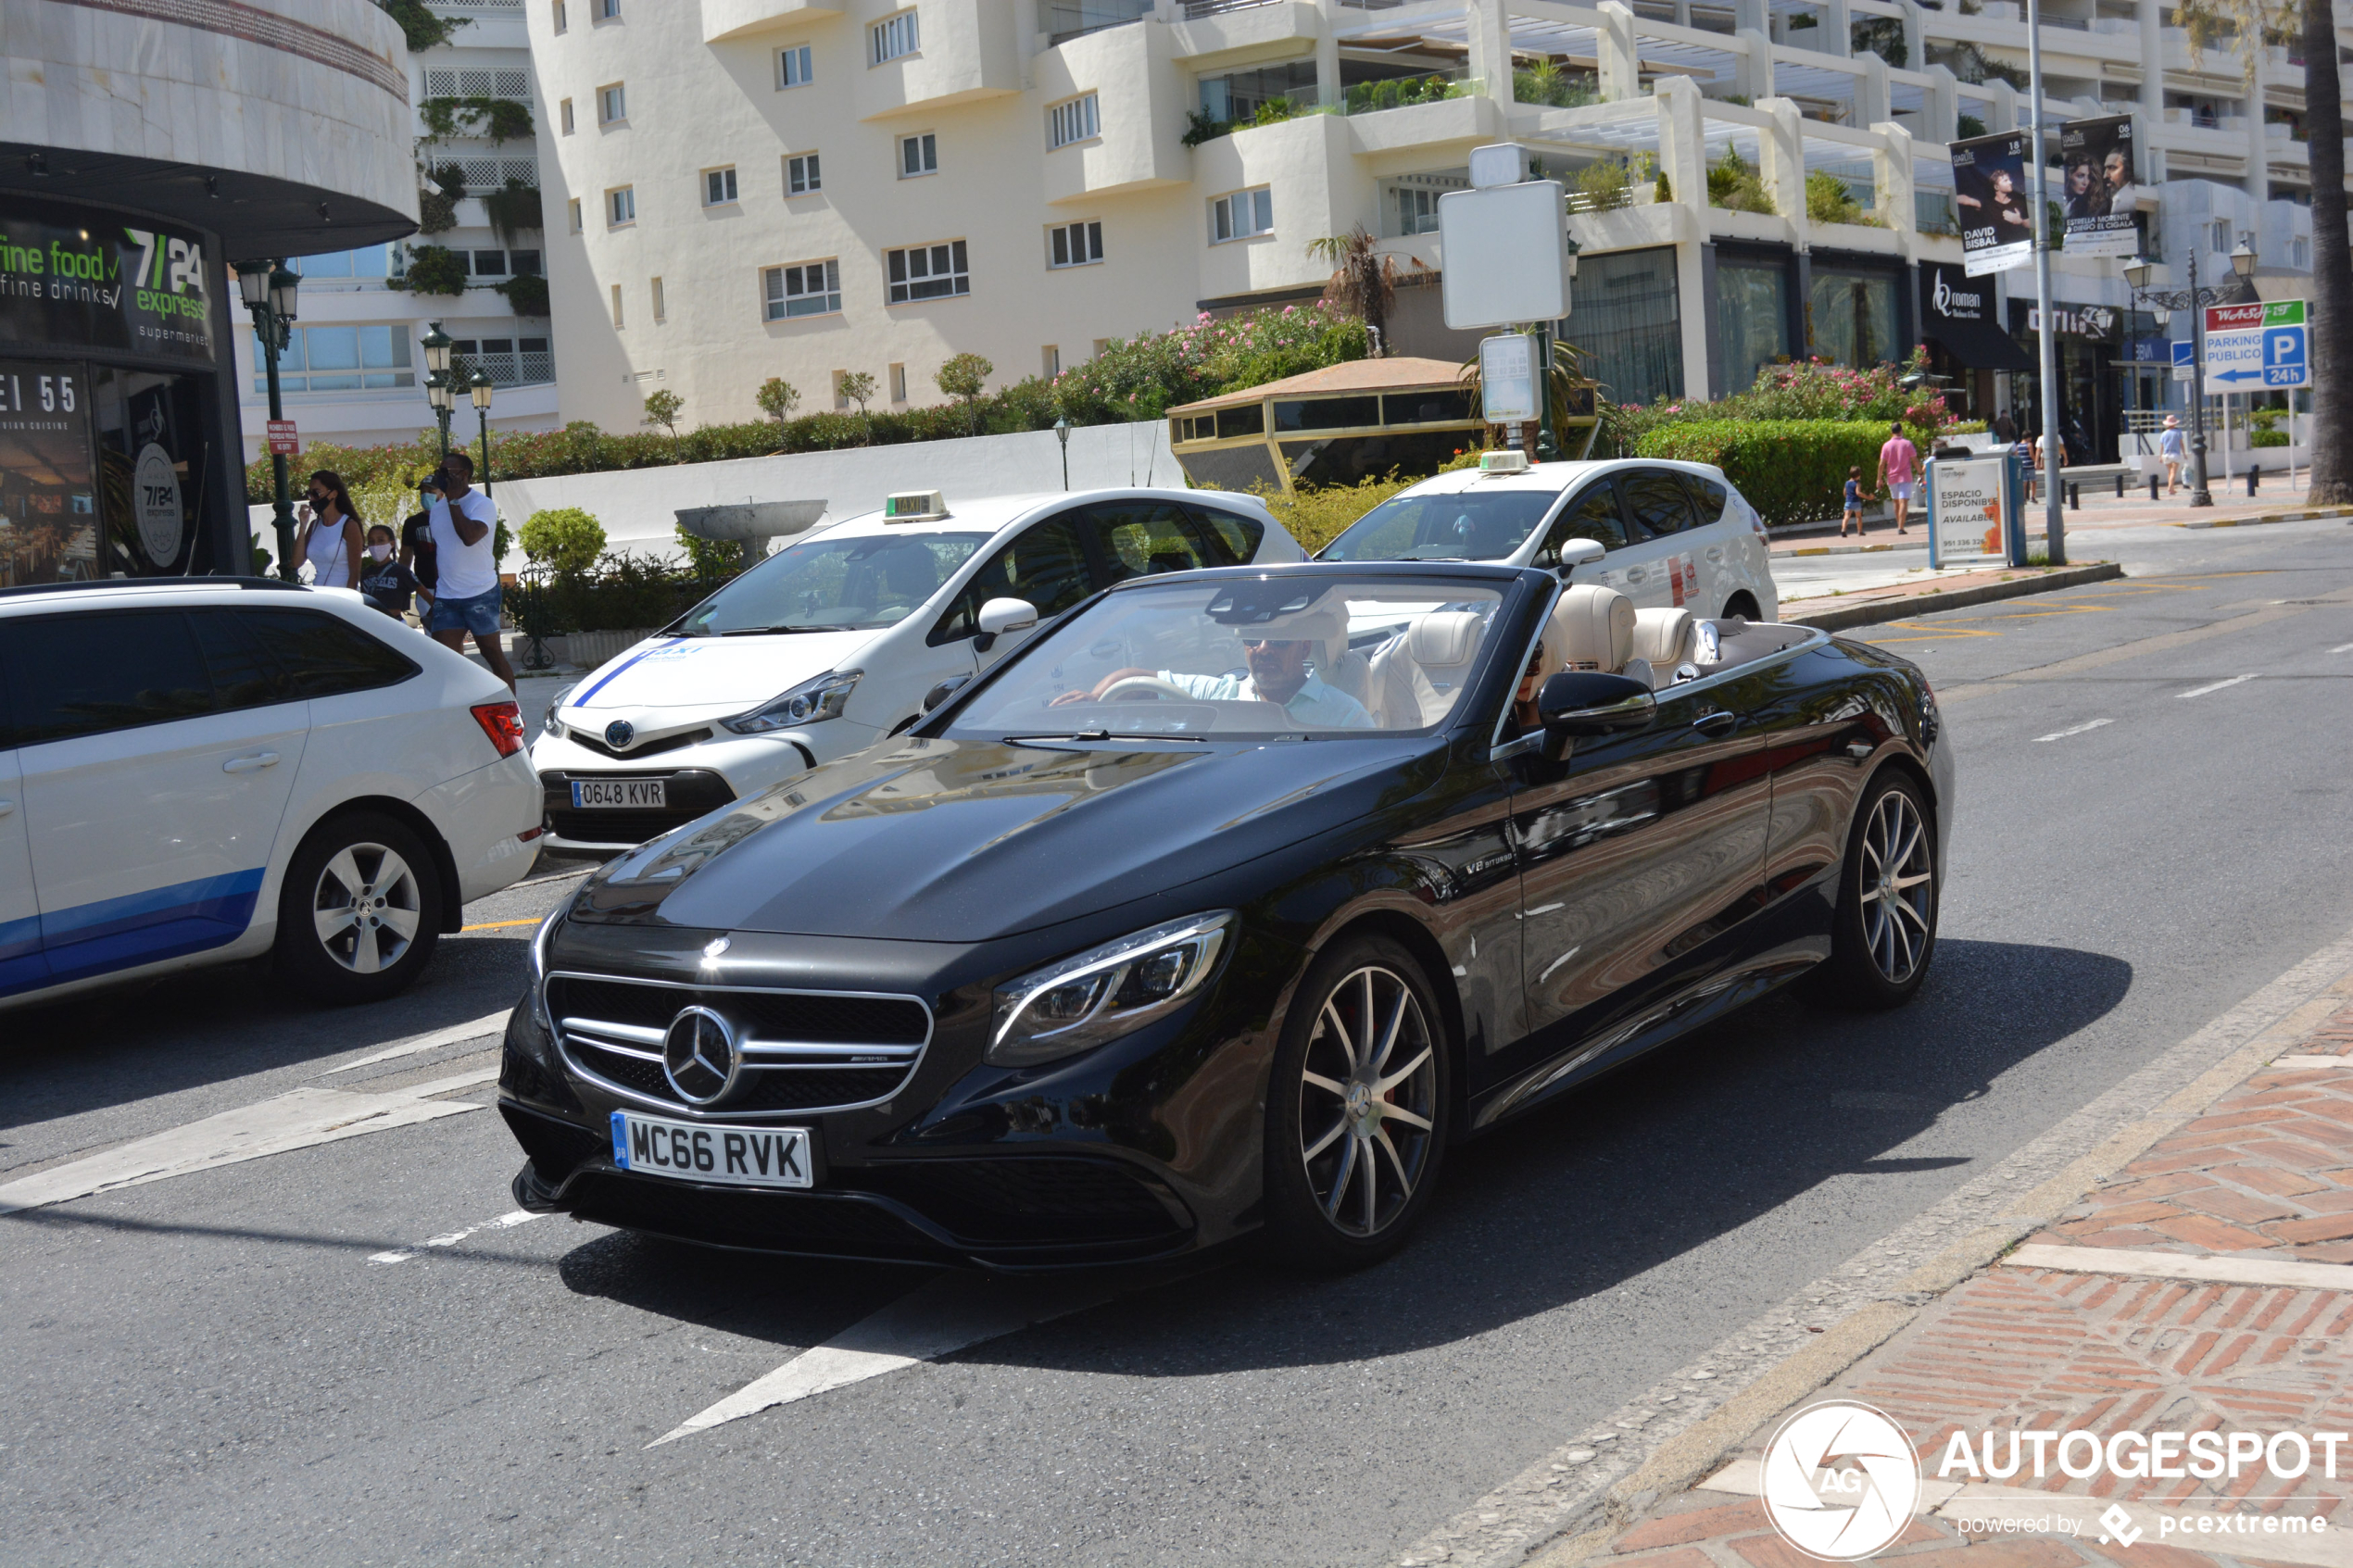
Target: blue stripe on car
<point>583,698</point>
<point>140,928</point>
<point>21,965</point>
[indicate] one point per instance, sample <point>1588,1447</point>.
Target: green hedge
<point>1792,470</point>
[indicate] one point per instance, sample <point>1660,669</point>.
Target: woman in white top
<point>329,539</point>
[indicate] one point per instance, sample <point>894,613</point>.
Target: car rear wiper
<point>764,631</point>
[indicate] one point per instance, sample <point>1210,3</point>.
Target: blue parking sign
<point>2284,350</point>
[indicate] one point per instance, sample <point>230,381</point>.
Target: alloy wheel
<point>366,907</point>
<point>1367,1099</point>
<point>1898,886</point>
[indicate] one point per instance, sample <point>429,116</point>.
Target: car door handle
<point>1716,553</point>
<point>1636,574</point>
<point>1716,725</point>
<point>253,764</point>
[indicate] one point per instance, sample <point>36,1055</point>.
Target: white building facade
<point>354,372</point>
<point>817,189</point>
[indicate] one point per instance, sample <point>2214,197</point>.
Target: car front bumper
<point>704,776</point>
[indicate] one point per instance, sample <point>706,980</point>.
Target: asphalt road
<point>272,1360</point>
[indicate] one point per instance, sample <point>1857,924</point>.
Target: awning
<point>1958,311</point>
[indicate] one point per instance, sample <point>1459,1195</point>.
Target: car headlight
<point>1104,992</point>
<point>553,724</point>
<point>813,701</point>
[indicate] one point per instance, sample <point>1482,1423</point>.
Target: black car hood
<point>965,841</point>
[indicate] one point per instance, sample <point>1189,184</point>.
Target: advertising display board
<point>74,276</point>
<point>1969,502</point>
<point>1507,378</point>
<point>2097,192</point>
<point>1997,221</point>
<point>1506,251</point>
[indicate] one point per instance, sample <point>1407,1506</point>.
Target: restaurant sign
<point>73,277</point>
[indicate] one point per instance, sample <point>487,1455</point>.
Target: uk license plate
<point>744,1156</point>
<point>625,795</point>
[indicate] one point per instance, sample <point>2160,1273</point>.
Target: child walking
<point>1854,512</point>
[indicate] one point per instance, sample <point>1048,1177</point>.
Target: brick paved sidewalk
<point>2204,1288</point>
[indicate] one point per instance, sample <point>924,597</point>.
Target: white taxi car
<point>833,642</point>
<point>1674,536</point>
<point>196,770</point>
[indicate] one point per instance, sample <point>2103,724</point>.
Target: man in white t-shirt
<point>464,524</point>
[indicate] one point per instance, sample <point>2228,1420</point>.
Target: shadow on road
<point>1691,1143</point>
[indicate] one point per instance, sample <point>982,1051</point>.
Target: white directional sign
<point>1507,250</point>
<point>2258,345</point>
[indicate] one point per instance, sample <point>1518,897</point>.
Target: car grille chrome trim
<point>876,1070</point>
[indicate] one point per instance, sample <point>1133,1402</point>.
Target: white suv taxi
<point>196,771</point>
<point>833,642</point>
<point>1673,535</point>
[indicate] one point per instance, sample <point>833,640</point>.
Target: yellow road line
<point>501,924</point>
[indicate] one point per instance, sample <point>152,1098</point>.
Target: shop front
<point>1967,348</point>
<point>2091,414</point>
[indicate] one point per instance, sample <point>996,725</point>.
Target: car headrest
<point>1665,637</point>
<point>1445,638</point>
<point>1592,628</point>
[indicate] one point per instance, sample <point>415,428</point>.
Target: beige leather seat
<point>1663,639</point>
<point>1592,628</point>
<point>1416,678</point>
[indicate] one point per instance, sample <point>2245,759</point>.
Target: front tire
<point>1357,1108</point>
<point>1884,932</point>
<point>359,913</point>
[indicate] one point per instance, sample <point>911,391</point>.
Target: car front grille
<point>691,793</point>
<point>803,1051</point>
<point>587,740</point>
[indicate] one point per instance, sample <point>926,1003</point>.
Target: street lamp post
<point>1061,433</point>
<point>481,388</point>
<point>2046,339</point>
<point>2195,300</point>
<point>269,291</point>
<point>438,389</point>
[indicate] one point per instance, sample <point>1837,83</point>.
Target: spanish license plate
<point>625,795</point>
<point>744,1156</point>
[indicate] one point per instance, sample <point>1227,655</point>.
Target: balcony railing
<point>522,368</point>
<point>461,8</point>
<point>478,82</point>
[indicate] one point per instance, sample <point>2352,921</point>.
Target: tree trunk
<point>2332,324</point>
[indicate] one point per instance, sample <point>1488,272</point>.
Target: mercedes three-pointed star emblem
<point>699,1055</point>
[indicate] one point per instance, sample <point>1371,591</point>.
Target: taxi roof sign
<point>915,506</point>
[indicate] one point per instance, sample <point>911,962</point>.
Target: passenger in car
<point>1280,656</point>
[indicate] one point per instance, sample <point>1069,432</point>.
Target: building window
<point>927,272</point>
<point>918,155</point>
<point>340,360</point>
<point>793,67</point>
<point>899,384</point>
<point>1242,215</point>
<point>523,263</point>
<point>718,186</point>
<point>1853,313</point>
<point>1630,320</point>
<point>557,7</point>
<point>490,264</point>
<point>620,207</point>
<point>608,10</point>
<point>612,104</point>
<point>1752,307</point>
<point>572,213</point>
<point>2299,253</point>
<point>661,312</point>
<point>841,393</point>
<point>2219,235</point>
<point>894,36</point>
<point>564,114</point>
<point>1050,361</point>
<point>1074,244</point>
<point>616,305</point>
<point>801,175</point>
<point>372,261</point>
<point>1077,121</point>
<point>808,288</point>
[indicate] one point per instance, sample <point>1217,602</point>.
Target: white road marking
<point>2342,648</point>
<point>2216,686</point>
<point>950,1313</point>
<point>489,1024</point>
<point>508,1221</point>
<point>299,1119</point>
<point>2075,729</point>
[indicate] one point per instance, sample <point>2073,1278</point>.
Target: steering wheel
<point>1151,687</point>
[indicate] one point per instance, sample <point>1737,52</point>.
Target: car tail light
<point>502,722</point>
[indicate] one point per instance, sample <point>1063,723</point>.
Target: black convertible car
<point>1227,903</point>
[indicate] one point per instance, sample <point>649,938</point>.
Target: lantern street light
<point>1061,433</point>
<point>444,398</point>
<point>269,291</point>
<point>2194,299</point>
<point>481,388</point>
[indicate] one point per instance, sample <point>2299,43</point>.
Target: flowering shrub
<point>1792,470</point>
<point>1144,376</point>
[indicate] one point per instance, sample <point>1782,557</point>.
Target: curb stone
<point>1898,607</point>
<point>1564,1508</point>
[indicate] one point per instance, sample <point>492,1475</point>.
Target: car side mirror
<point>1579,552</point>
<point>1583,703</point>
<point>943,690</point>
<point>1000,616</point>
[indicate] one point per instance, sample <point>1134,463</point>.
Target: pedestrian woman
<point>329,539</point>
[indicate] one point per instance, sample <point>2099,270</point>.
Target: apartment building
<point>354,372</point>
<point>815,189</point>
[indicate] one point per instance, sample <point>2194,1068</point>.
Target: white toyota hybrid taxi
<point>199,770</point>
<point>833,642</point>
<point>1672,536</point>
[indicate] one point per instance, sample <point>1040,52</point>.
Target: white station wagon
<point>1672,536</point>
<point>833,642</point>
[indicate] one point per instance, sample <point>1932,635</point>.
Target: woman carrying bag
<point>329,539</point>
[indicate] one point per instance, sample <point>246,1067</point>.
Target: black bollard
<point>2152,487</point>
<point>2119,487</point>
<point>2075,497</point>
<point>2253,474</point>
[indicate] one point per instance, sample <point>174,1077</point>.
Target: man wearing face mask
<point>384,582</point>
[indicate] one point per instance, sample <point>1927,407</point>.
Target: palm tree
<point>1363,282</point>
<point>2332,324</point>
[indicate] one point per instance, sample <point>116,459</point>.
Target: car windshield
<point>1458,525</point>
<point>1278,657</point>
<point>858,584</point>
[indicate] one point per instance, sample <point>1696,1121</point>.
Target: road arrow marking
<point>951,1313</point>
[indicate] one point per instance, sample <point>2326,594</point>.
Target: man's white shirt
<point>1315,703</point>
<point>467,572</point>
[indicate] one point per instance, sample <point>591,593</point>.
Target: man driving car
<point>1278,655</point>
